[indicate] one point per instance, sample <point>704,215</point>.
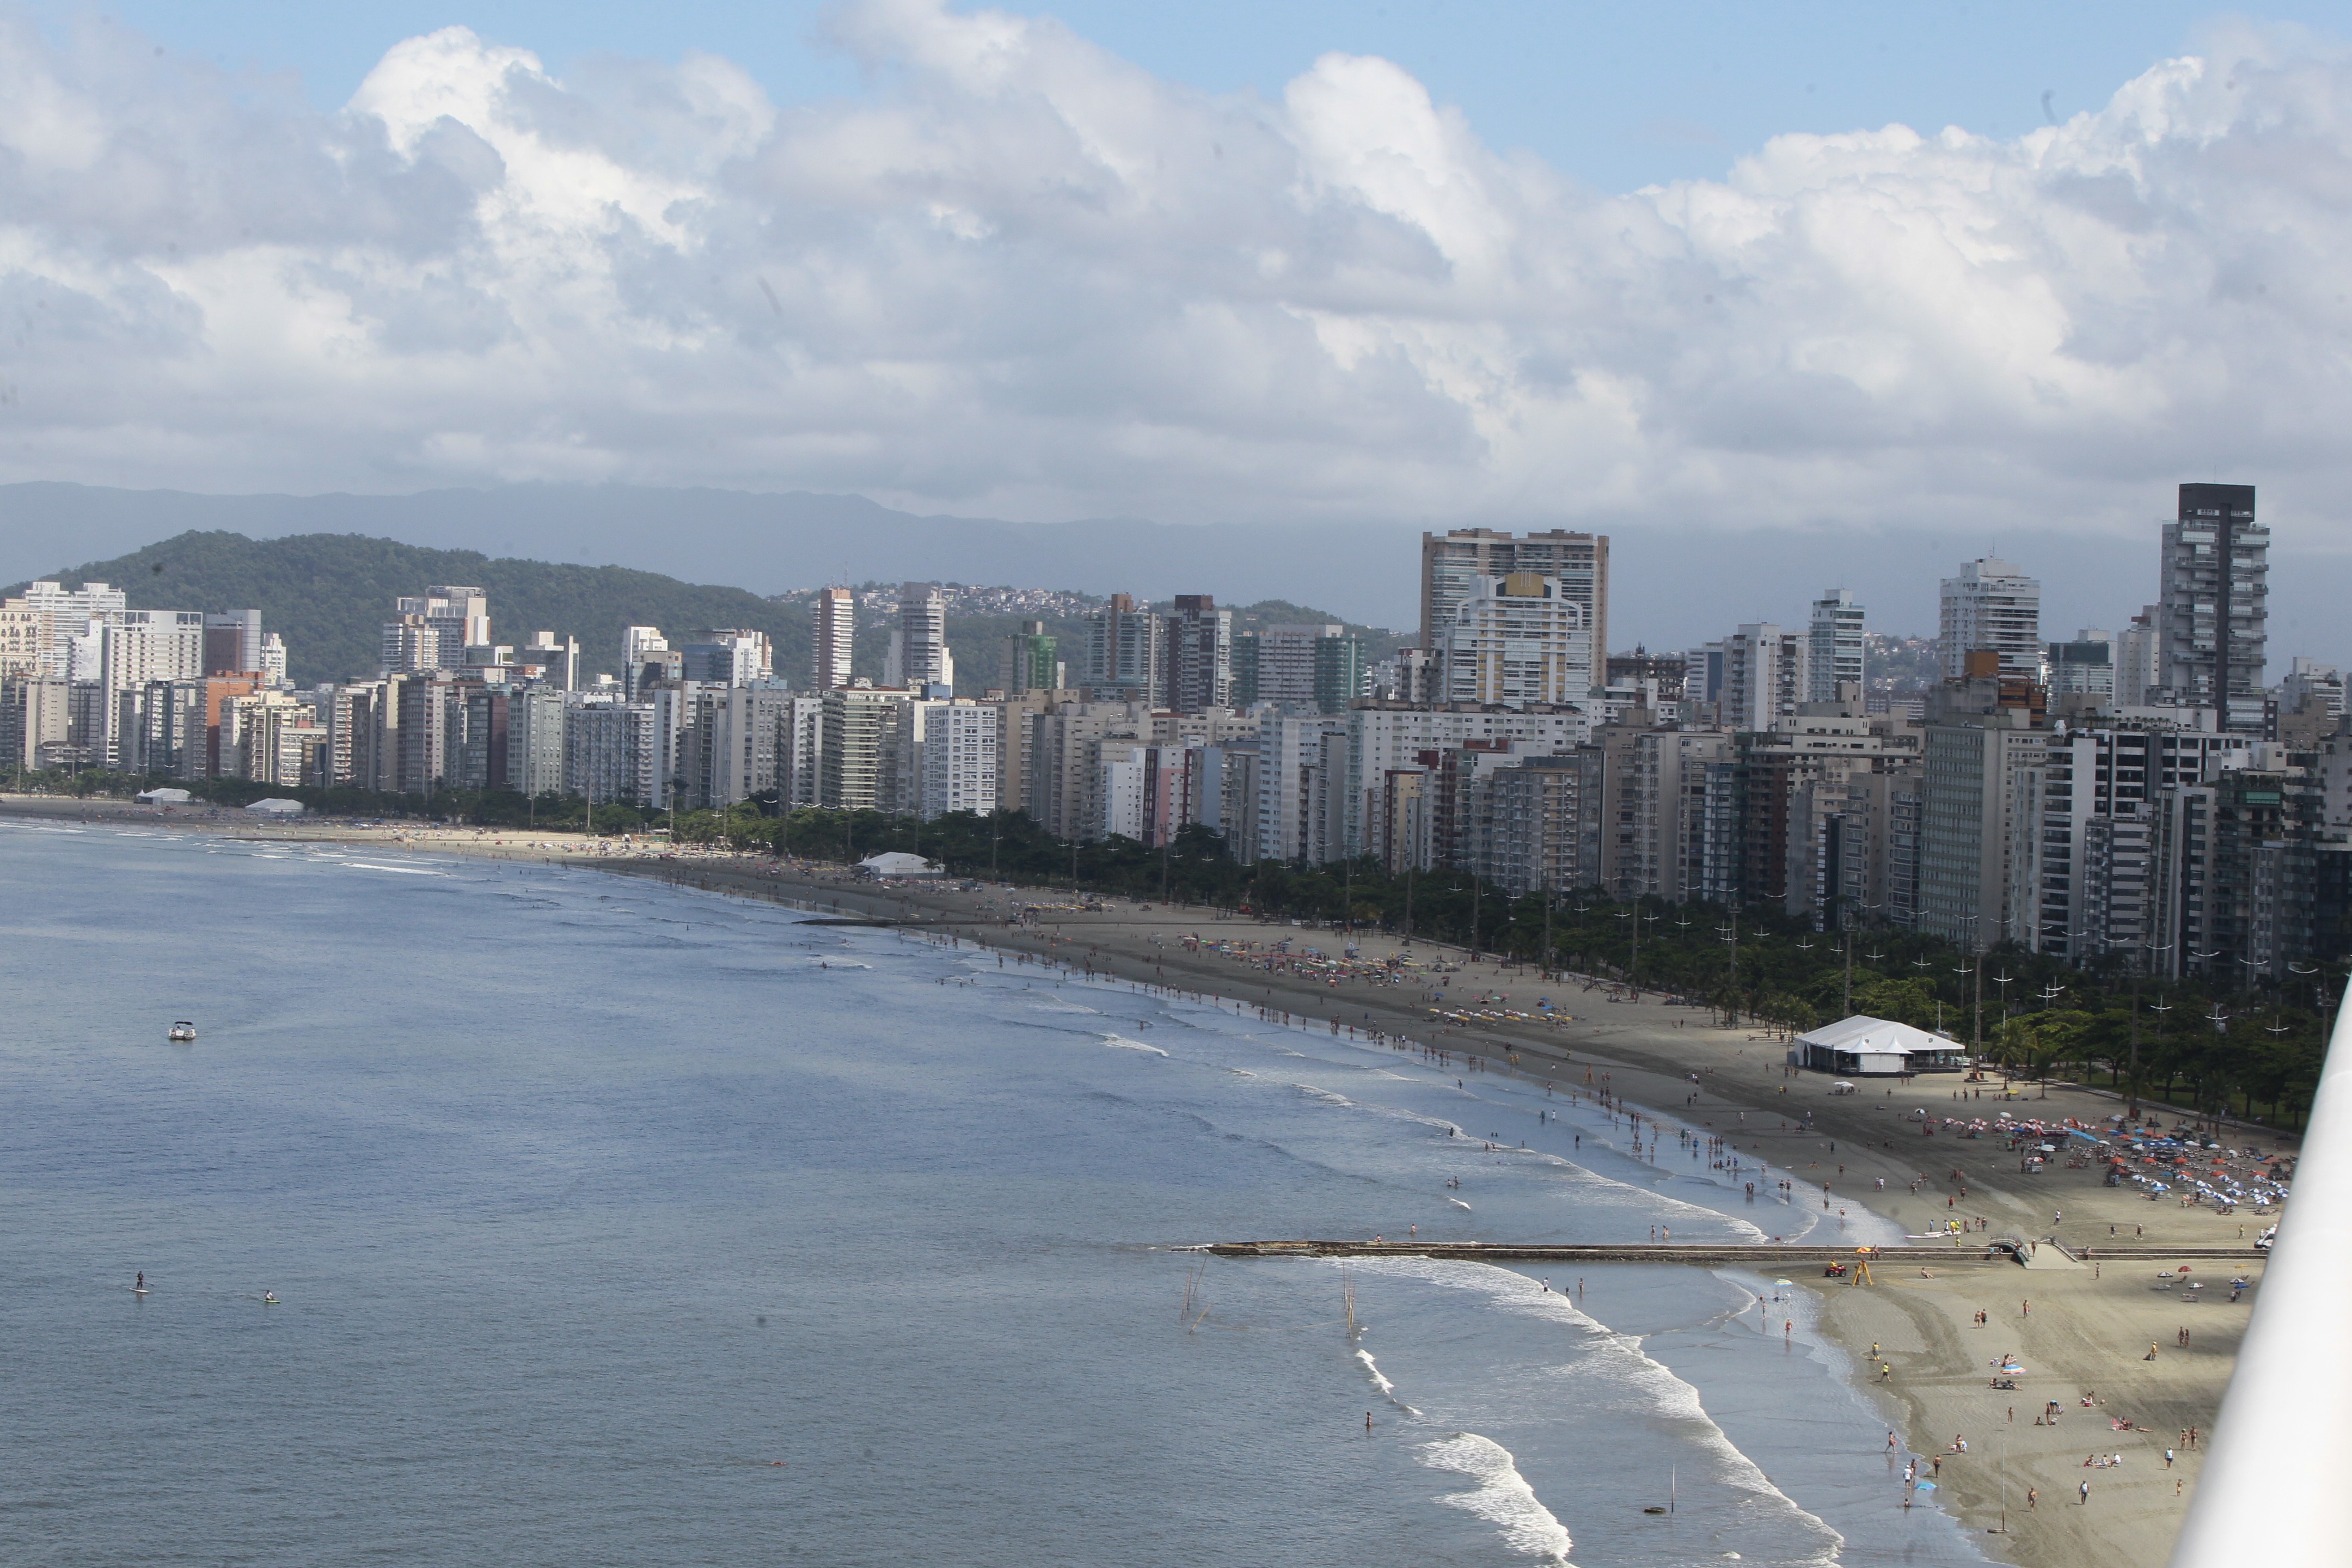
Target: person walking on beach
<point>2085,1487</point>
<point>2033,1499</point>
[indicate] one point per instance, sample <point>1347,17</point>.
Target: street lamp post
<point>2131,1091</point>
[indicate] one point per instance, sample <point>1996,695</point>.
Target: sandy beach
<point>2081,1326</point>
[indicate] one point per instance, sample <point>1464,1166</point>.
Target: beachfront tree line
<point>2190,1044</point>
<point>2186,1043</point>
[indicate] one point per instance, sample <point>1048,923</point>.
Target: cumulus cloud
<point>1023,276</point>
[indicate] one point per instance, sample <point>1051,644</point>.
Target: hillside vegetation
<point>329,595</point>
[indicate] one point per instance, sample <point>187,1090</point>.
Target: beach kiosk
<point>1864,1047</point>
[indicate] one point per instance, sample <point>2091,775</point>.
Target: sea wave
<point>1620,1375</point>
<point>1121,1043</point>
<point>1502,1497</point>
<point>1380,1381</point>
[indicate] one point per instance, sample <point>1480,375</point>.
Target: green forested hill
<point>329,595</point>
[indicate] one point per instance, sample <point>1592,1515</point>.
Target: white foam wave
<point>399,870</point>
<point>1503,1496</point>
<point>1380,1381</point>
<point>1621,1376</point>
<point>1457,1203</point>
<point>1121,1043</point>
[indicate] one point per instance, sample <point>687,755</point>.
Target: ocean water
<point>613,1223</point>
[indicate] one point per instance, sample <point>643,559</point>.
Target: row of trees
<point>2190,1044</point>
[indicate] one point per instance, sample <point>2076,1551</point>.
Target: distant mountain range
<point>328,594</point>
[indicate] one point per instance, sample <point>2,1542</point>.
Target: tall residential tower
<point>835,630</point>
<point>1992,604</point>
<point>2215,605</point>
<point>1451,563</point>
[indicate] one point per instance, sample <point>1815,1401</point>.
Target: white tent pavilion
<point>895,863</point>
<point>1864,1047</point>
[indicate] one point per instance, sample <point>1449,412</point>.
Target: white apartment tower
<point>1834,651</point>
<point>66,614</point>
<point>1516,641</point>
<point>835,630</point>
<point>919,655</point>
<point>1450,564</point>
<point>437,626</point>
<point>1763,676</point>
<point>1992,604</point>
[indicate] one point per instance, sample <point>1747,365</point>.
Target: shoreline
<point>2077,1331</point>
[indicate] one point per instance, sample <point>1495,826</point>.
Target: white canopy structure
<point>276,807</point>
<point>2274,1485</point>
<point>895,863</point>
<point>1864,1047</point>
<point>163,797</point>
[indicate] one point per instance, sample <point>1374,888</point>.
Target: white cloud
<point>1023,276</point>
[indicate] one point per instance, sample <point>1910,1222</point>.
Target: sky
<point>1830,271</point>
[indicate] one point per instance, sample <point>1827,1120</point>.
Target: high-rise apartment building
<point>1518,640</point>
<point>732,656</point>
<point>858,751</point>
<point>534,758</point>
<point>2085,667</point>
<point>611,753</point>
<point>1199,659</point>
<point>1992,604</point>
<point>2140,648</point>
<point>232,642</point>
<point>1317,667</point>
<point>2215,605</point>
<point>68,612</point>
<point>834,611</point>
<point>428,631</point>
<point>956,756</point>
<point>137,647</point>
<point>919,658</point>
<point>1451,563</point>
<point>1535,823</point>
<point>2084,817</point>
<point>1763,676</point>
<point>1124,653</point>
<point>24,639</point>
<point>1833,645</point>
<point>1030,661</point>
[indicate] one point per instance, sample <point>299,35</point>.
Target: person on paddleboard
<point>141,1286</point>
<point>268,1299</point>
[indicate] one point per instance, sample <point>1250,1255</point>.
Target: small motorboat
<point>182,1033</point>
